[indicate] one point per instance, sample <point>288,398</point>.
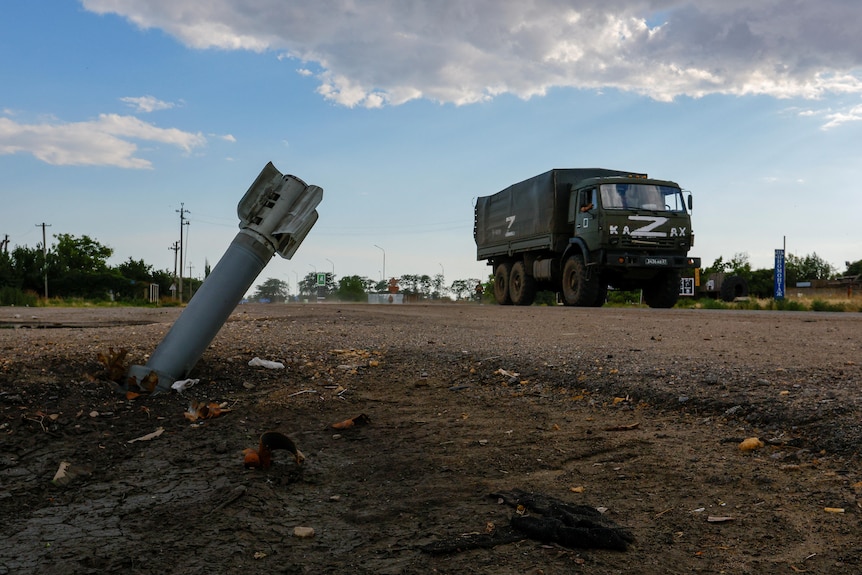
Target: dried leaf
<point>114,362</point>
<point>60,476</point>
<point>360,419</point>
<point>628,427</point>
<point>750,444</point>
<point>148,436</point>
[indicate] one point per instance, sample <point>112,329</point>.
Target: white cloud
<point>378,52</point>
<point>836,119</point>
<point>107,141</point>
<point>147,104</point>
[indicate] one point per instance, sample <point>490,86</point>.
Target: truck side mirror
<point>689,202</point>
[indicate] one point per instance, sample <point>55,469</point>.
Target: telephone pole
<point>182,211</point>
<point>175,248</point>
<point>43,225</point>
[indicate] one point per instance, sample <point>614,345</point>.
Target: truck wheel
<point>733,287</point>
<point>602,295</point>
<point>501,283</point>
<point>663,291</point>
<point>522,287</point>
<point>577,289</point>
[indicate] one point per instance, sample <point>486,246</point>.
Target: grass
<point>853,304</point>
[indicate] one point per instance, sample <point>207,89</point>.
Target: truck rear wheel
<point>501,283</point>
<point>577,288</point>
<point>522,287</point>
<point>663,291</point>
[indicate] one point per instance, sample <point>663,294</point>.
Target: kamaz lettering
<point>647,231</point>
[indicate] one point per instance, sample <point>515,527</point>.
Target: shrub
<point>17,297</point>
<point>820,305</point>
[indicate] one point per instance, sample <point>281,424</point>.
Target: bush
<point>788,305</point>
<point>17,297</point>
<point>820,305</point>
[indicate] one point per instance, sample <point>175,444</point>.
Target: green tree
<point>810,267</point>
<point>461,289</point>
<point>138,276</point>
<point>352,288</point>
<point>409,284</point>
<point>273,290</point>
<point>78,267</point>
<point>28,270</point>
<point>854,268</point>
<point>762,284</point>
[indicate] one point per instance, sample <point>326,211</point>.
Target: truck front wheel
<point>501,283</point>
<point>577,288</point>
<point>522,287</point>
<point>663,291</point>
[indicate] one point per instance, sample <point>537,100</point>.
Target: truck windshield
<point>642,197</point>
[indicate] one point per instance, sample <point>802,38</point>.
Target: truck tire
<point>663,290</point>
<point>601,295</point>
<point>522,286</point>
<point>501,283</point>
<point>577,289</point>
<point>733,287</point>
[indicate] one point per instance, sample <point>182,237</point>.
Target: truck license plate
<point>656,261</point>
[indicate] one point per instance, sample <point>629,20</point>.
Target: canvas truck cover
<point>531,211</point>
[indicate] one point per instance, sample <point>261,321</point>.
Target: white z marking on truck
<point>510,220</point>
<point>647,230</point>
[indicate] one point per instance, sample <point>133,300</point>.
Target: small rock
<point>303,532</point>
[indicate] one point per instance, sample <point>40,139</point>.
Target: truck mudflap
<point>660,261</point>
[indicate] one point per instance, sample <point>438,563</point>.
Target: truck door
<point>586,211</point>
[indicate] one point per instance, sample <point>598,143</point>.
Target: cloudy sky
<point>114,114</point>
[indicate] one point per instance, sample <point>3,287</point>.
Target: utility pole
<point>175,248</point>
<point>182,211</point>
<point>191,283</point>
<point>43,225</point>
<point>5,244</point>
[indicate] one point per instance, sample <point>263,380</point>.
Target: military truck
<point>579,231</point>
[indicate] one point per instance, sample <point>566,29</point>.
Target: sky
<point>117,114</point>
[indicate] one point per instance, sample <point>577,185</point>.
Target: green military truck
<point>579,231</point>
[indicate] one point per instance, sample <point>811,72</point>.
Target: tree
<point>84,254</point>
<point>138,275</point>
<point>810,267</point>
<point>854,268</point>
<point>272,290</point>
<point>460,289</point>
<point>78,267</point>
<point>352,288</point>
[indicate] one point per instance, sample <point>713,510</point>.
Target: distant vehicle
<point>578,231</point>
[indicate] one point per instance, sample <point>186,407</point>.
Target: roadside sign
<point>778,287</point>
<point>321,280</point>
<point>686,286</point>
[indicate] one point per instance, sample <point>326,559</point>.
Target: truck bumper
<point>629,260</point>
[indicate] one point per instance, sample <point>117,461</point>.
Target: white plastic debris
<point>257,362</point>
<point>183,384</point>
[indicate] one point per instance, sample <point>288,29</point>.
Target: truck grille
<point>636,242</point>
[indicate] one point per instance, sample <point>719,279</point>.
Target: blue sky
<point>114,112</point>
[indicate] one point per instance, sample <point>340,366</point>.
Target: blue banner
<point>778,287</point>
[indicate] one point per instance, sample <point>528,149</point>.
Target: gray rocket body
<point>276,214</point>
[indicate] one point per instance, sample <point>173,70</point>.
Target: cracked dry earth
<point>639,413</point>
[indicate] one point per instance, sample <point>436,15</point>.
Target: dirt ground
<point>638,413</point>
